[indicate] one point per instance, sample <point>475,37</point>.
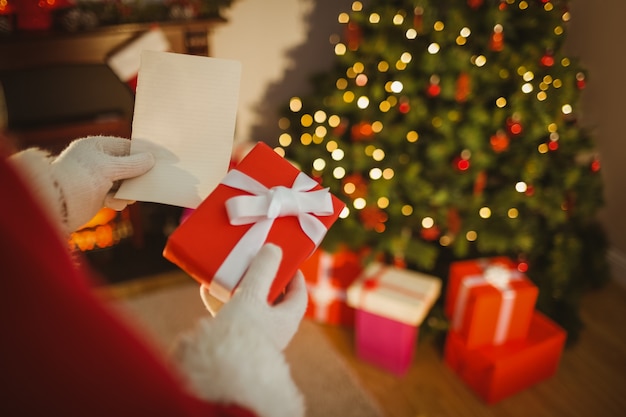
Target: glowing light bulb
<point>285,139</point>
<point>411,34</point>
<point>339,172</point>
<point>359,203</point>
<point>428,222</point>
<point>363,102</point>
<point>480,61</point>
<point>319,164</point>
<point>376,173</point>
<point>521,187</point>
<point>433,48</point>
<point>295,104</point>
<point>378,155</point>
<point>396,87</point>
<point>337,154</point>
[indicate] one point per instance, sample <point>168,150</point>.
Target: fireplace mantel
<point>37,49</point>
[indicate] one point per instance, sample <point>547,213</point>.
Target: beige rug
<point>330,387</point>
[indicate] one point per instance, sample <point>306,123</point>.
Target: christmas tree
<point>449,129</point>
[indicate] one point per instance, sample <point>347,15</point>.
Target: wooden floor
<point>591,380</point>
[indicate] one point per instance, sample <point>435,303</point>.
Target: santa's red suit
<point>65,353</point>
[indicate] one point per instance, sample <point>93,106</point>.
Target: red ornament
<point>454,221</point>
<point>502,5</point>
<point>341,128</point>
<point>595,165</point>
<point>433,90</point>
<point>461,164</point>
<point>404,107</point>
<point>360,185</point>
<point>499,142</point>
<point>399,261</point>
<point>496,43</point>
<point>373,218</point>
<point>475,4</point>
<point>353,36</point>
<point>580,81</point>
<point>362,131</point>
<point>553,145</point>
<point>530,190</point>
<point>514,126</point>
<point>430,233</point>
<point>547,60</point>
<point>522,266</point>
<point>463,87</point>
<point>418,19</point>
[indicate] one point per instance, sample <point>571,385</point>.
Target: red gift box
<point>497,372</point>
<point>488,301</point>
<point>264,199</point>
<point>328,276</point>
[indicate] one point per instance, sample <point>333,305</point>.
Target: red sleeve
<point>62,352</point>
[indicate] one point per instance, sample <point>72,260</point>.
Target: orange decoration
<point>475,4</point>
<point>362,131</point>
<point>496,42</point>
<point>373,218</point>
<point>463,87</point>
<point>359,183</point>
<point>499,142</point>
<point>454,221</point>
<point>480,183</point>
<point>353,36</point>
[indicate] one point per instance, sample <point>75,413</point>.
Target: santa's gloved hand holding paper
<point>79,181</point>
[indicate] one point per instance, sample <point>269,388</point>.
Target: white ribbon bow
<point>260,208</point>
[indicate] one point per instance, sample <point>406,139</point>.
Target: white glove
<point>237,356</point>
<point>279,322</point>
<point>82,176</point>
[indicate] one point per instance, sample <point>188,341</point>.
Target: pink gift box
<point>390,305</point>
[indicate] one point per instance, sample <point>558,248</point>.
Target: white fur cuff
<point>233,363</point>
<point>34,167</point>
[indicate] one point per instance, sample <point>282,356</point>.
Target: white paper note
<point>185,110</point>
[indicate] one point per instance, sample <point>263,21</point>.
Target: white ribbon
<point>260,208</point>
<point>500,278</point>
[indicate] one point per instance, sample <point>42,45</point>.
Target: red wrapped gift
<point>328,276</point>
<point>497,372</point>
<point>488,301</point>
<point>264,199</point>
